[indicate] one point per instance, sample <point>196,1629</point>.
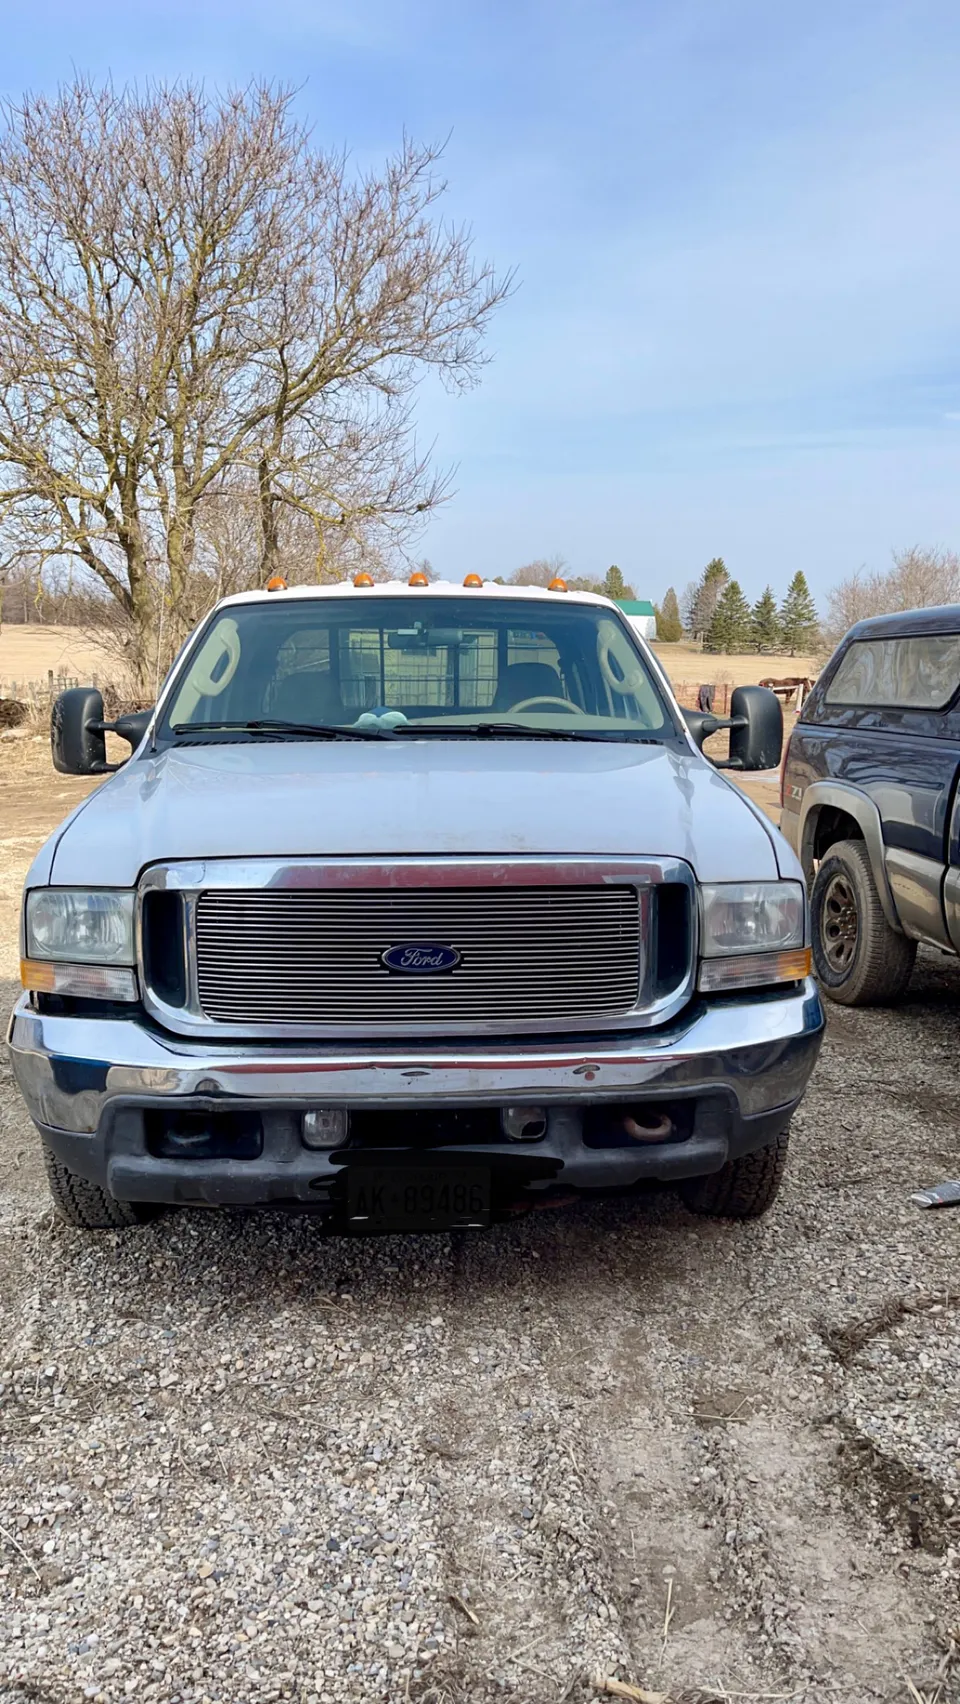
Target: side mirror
<point>756,728</point>
<point>76,732</point>
<point>701,723</point>
<point>77,728</point>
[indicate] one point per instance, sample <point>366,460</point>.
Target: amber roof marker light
<point>473,580</point>
<point>276,583</point>
<point>418,579</point>
<point>557,585</point>
<point>363,579</point>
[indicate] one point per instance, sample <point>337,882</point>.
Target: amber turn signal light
<point>557,585</point>
<point>418,579</point>
<point>276,583</point>
<point>363,579</point>
<point>473,580</point>
<point>753,970</point>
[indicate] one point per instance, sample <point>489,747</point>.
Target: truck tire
<point>743,1188</point>
<point>85,1205</point>
<point>858,958</point>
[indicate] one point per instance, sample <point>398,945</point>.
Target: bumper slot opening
<point>203,1135</point>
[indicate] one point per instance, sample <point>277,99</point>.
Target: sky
<point>735,226</point>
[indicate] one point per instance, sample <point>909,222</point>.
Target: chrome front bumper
<point>70,1070</point>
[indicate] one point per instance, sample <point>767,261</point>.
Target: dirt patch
<point>34,799</point>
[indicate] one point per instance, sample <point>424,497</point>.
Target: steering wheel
<point>543,698</point>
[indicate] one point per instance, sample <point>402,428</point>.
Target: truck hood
<point>431,798</point>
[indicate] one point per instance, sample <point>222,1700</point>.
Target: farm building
<point>640,615</point>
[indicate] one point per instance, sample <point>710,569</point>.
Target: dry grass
<point>688,664</point>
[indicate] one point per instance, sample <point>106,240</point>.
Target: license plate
<point>417,1198</point>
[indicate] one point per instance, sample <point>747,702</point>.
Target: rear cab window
<point>919,671</point>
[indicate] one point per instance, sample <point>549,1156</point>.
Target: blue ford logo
<point>420,958</point>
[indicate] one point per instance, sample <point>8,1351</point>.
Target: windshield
<point>415,665</point>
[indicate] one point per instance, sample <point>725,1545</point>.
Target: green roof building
<point>641,614</point>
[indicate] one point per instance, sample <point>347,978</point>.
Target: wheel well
<point>833,824</point>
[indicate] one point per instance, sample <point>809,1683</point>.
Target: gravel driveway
<point>239,1462</point>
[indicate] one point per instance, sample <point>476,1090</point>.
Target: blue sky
<point>736,225</point>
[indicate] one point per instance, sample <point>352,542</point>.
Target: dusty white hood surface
<point>429,797</point>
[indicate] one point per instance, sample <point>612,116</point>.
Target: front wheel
<point>743,1188</point>
<point>85,1205</point>
<point>859,959</point>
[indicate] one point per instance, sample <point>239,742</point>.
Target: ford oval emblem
<point>420,958</point>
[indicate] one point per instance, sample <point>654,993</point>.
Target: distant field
<point>687,663</point>
<point>26,653</point>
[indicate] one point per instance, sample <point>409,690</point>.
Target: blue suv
<point>871,805</point>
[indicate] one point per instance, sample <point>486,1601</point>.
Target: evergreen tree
<point>730,628</point>
<point>798,616</point>
<point>614,585</point>
<point>669,627</point>
<point>707,596</point>
<point>767,634</point>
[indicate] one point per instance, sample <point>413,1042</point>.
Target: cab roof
<point>436,589</point>
<point>939,618</point>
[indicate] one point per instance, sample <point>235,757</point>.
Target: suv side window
<point>917,672</point>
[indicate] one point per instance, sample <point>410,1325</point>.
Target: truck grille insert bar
<point>525,955</point>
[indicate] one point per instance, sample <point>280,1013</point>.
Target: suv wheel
<point>743,1188</point>
<point>85,1205</point>
<point>858,958</point>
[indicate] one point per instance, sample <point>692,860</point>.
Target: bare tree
<point>919,579</point>
<point>195,299</point>
<point>539,572</point>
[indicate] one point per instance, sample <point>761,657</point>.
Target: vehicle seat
<point>306,697</point>
<point>527,680</point>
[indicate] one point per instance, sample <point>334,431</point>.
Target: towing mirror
<point>756,728</point>
<point>77,728</point>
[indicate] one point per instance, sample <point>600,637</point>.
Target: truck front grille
<point>526,955</point>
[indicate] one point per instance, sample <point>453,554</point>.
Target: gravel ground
<point>241,1462</point>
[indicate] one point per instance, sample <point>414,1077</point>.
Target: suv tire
<point>743,1188</point>
<point>858,958</point>
<point>85,1205</point>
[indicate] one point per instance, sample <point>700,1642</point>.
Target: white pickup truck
<point>414,906</point>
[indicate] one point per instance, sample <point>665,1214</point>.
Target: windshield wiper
<point>307,730</point>
<point>516,730</point>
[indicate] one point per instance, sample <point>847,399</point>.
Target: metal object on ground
<point>941,1195</point>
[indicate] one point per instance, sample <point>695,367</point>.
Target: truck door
<point>895,737</point>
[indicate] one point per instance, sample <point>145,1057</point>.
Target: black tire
<point>743,1188</point>
<point>858,958</point>
<point>85,1205</point>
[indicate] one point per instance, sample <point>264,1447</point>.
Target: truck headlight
<point>752,933</point>
<point>80,942</point>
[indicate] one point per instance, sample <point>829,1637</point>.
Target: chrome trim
<point>762,1049</point>
<point>195,877</point>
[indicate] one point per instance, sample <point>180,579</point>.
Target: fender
<point>856,804</point>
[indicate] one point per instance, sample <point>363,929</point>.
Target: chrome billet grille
<point>527,954</point>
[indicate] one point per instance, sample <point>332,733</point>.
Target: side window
<point>917,672</point>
